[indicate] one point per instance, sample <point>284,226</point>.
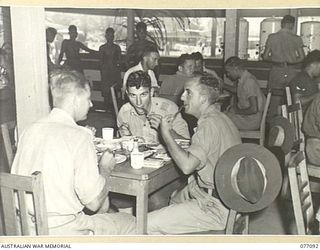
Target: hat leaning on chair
<point>281,134</point>
<point>248,177</point>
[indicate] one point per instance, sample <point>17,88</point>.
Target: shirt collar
<point>62,116</point>
<point>208,111</point>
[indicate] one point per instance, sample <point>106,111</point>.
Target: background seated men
<point>150,57</point>
<point>65,154</point>
<point>172,88</point>
<point>311,129</point>
<point>304,85</point>
<point>200,67</point>
<point>136,49</point>
<point>248,100</point>
<point>196,210</point>
<point>141,116</point>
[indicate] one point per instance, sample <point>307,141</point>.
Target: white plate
<point>147,153</point>
<point>120,158</point>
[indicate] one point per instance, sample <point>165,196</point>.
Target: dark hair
<point>312,57</point>
<point>233,61</point>
<point>141,25</point>
<point>197,56</point>
<point>51,30</point>
<point>183,58</point>
<point>149,49</point>
<point>138,79</point>
<point>72,27</point>
<point>287,19</point>
<point>110,30</point>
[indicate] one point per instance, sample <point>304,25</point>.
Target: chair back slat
<point>40,207</point>
<point>15,190</point>
<point>114,99</point>
<point>263,119</point>
<point>5,132</point>
<point>11,226</point>
<point>23,212</point>
<point>301,193</point>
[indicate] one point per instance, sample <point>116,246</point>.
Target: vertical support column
<point>213,36</point>
<point>6,25</point>
<point>30,64</point>
<point>231,35</point>
<point>295,13</point>
<point>130,27</point>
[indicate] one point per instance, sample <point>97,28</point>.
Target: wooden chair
<point>14,190</point>
<point>8,145</point>
<point>301,194</point>
<point>294,113</point>
<point>258,134</point>
<point>114,99</point>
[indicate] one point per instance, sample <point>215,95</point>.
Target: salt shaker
<point>137,157</point>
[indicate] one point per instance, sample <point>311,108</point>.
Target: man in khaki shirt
<point>285,50</point>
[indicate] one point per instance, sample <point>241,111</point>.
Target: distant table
<point>140,183</point>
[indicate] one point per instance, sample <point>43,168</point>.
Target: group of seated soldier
<point>153,113</point>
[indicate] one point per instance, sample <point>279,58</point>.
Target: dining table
<point>140,183</point>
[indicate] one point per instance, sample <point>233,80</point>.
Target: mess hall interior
<point>201,121</point>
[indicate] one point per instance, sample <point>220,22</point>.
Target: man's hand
<point>92,129</point>
<point>166,124</point>
<point>155,120</point>
<point>107,162</point>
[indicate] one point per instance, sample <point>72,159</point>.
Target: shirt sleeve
<point>88,183</point>
<point>180,126</point>
<point>153,79</point>
<point>204,142</point>
<point>251,88</point>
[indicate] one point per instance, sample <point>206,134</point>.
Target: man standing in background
<point>136,49</point>
<point>285,50</point>
<point>50,36</point>
<point>110,56</point>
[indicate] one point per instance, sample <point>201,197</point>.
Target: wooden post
<point>130,27</point>
<point>213,36</point>
<point>231,34</point>
<point>295,13</point>
<point>30,64</point>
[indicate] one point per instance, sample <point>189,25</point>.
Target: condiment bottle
<point>137,157</point>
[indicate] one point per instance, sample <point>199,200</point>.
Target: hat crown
<point>250,180</point>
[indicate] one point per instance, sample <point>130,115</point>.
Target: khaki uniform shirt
<point>139,126</point>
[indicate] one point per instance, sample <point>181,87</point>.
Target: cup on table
<point>107,133</point>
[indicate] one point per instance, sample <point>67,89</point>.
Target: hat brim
<point>223,178</point>
<point>289,133</point>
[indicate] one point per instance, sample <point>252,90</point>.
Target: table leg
<point>142,207</point>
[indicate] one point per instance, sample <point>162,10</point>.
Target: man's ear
<point>180,68</point>
<point>203,98</point>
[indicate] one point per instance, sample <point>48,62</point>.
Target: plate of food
<point>147,153</point>
<point>102,145</point>
<point>120,158</point>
